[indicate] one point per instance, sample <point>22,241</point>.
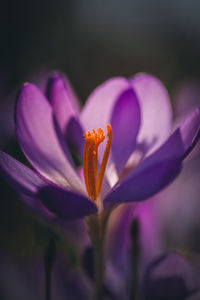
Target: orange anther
<point>105,159</point>
<point>90,158</point>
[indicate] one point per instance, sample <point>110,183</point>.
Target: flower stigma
<point>93,139</point>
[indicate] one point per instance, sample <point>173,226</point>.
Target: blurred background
<point>90,41</point>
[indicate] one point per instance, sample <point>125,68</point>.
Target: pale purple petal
<point>64,104</point>
<point>97,111</point>
<point>59,94</point>
<point>125,121</point>
<point>25,181</point>
<point>20,177</point>
<point>156,111</point>
<point>118,233</point>
<point>41,140</point>
<point>63,203</point>
<point>98,108</point>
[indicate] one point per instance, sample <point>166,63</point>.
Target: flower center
<point>90,158</point>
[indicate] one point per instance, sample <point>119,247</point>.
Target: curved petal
<point>156,111</point>
<point>20,177</point>
<point>145,181</point>
<point>190,132</point>
<point>172,275</point>
<point>187,98</point>
<point>64,104</point>
<point>125,121</point>
<point>41,140</point>
<point>25,181</point>
<point>160,168</point>
<point>98,108</point>
<point>66,204</point>
<point>183,140</point>
<point>63,203</point>
<point>74,136</point>
<point>62,101</point>
<point>118,233</point>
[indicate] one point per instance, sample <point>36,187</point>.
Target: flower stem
<point>49,258</point>
<point>99,268</point>
<point>96,225</point>
<point>134,259</point>
<point>96,232</point>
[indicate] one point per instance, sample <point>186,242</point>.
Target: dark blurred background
<point>90,41</point>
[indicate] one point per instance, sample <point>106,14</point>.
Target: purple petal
<point>183,140</point>
<point>160,168</point>
<point>41,140</point>
<point>62,101</point>
<point>63,203</point>
<point>190,132</point>
<point>119,234</point>
<point>156,111</point>
<point>75,137</point>
<point>66,204</point>
<point>170,275</point>
<point>149,178</point>
<point>187,98</point>
<point>19,176</point>
<point>25,181</point>
<point>65,109</point>
<point>98,108</point>
<point>125,123</point>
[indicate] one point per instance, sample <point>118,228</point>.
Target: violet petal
<point>74,136</point>
<point>145,181</point>
<point>62,101</point>
<point>156,110</point>
<point>98,108</point>
<point>40,138</point>
<point>125,123</point>
<point>160,168</point>
<point>63,203</point>
<point>170,276</point>
<point>20,177</point>
<point>66,204</point>
<point>183,140</point>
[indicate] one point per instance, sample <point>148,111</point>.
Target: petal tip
<point>55,81</point>
<point>25,88</point>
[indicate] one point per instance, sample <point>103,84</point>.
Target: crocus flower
<point>159,213</point>
<point>170,276</point>
<point>157,276</point>
<point>139,159</point>
<point>118,232</point>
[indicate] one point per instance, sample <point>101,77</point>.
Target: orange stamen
<point>90,159</point>
<point>105,159</point>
